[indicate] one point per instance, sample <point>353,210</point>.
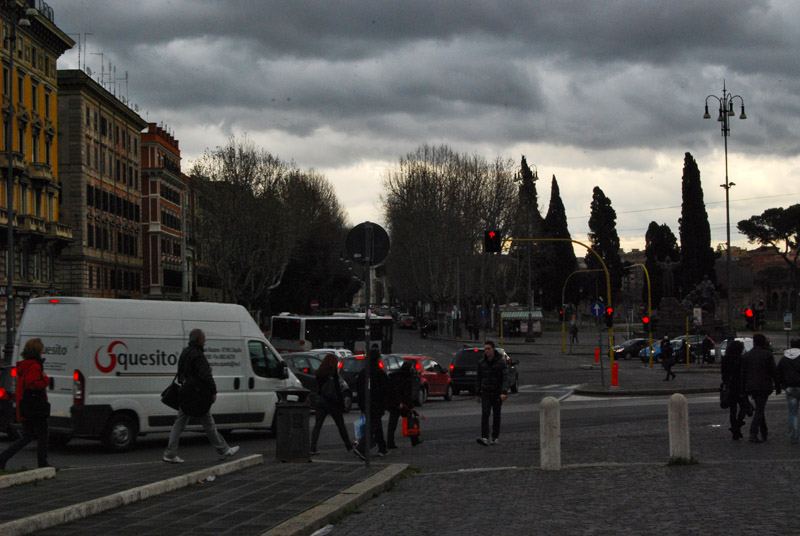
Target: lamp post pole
<point>22,21</point>
<point>725,113</point>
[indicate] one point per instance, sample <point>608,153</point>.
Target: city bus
<point>296,333</point>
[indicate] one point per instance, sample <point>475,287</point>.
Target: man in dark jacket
<point>379,391</point>
<point>194,371</point>
<point>789,372</point>
<point>759,377</point>
<point>491,388</point>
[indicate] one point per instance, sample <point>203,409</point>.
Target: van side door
<point>265,372</point>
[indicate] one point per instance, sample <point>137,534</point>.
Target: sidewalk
<point>244,496</point>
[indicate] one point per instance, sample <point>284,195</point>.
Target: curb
<point>15,479</point>
<point>318,516</point>
<point>643,392</point>
<point>74,512</point>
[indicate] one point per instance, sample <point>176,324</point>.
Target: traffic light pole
<point>605,269</point>
<point>563,294</point>
<point>649,310</point>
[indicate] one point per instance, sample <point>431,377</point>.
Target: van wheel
<point>120,433</point>
<point>59,441</point>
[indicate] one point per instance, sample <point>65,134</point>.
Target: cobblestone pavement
<point>614,480</point>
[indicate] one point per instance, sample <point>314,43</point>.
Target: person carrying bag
<point>33,409</point>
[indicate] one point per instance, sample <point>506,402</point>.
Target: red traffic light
<point>610,311</point>
<point>748,313</point>
<point>645,320</point>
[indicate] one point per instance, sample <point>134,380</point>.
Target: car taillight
<point>452,367</point>
<point>78,388</point>
<point>341,364</point>
<point>419,367</point>
<point>3,393</point>
<point>13,372</point>
<point>380,364</point>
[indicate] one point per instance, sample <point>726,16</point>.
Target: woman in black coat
<point>732,377</point>
<point>329,401</point>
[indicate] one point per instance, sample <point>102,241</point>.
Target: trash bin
<point>292,413</point>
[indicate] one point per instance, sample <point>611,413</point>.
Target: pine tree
<point>562,256</point>
<point>697,256</point>
<point>604,239</point>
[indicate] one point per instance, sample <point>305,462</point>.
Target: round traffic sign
<point>367,243</point>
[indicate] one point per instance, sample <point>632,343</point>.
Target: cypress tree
<point>660,243</point>
<point>604,239</point>
<point>563,254</point>
<point>697,256</point>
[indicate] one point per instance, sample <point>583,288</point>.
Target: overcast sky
<point>597,93</point>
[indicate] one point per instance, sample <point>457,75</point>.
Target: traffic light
<point>492,243</point>
<point>645,322</point>
<point>561,315</point>
<point>608,316</point>
<point>749,319</point>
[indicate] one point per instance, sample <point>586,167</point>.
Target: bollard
<point>597,355</point>
<point>678,427</point>
<point>550,434</point>
<point>615,374</point>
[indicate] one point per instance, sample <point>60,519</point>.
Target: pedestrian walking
<point>491,388</point>
<point>789,372</point>
<point>573,331</point>
<point>379,388</point>
<point>759,377</point>
<point>405,386</point>
<point>329,401</point>
<point>32,406</point>
<point>706,346</point>
<point>732,378</point>
<point>667,358</point>
<point>199,390</point>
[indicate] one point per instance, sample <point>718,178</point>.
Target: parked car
<point>676,346</point>
<point>629,348</point>
<point>338,352</point>
<point>434,377</point>
<point>747,341</point>
<point>464,370</point>
<point>351,365</point>
<point>407,322</point>
<point>304,365</point>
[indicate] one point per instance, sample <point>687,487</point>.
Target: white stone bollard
<point>550,434</point>
<point>679,427</point>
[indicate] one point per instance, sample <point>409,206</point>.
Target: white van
<point>109,360</point>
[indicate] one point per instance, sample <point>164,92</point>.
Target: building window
<point>47,96</point>
<point>20,87</point>
<point>88,118</point>
<point>35,145</point>
<point>37,267</point>
<point>6,84</point>
<point>22,139</point>
<point>34,96</point>
<point>48,151</point>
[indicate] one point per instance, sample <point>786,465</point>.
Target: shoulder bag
<point>171,396</point>
<point>33,405</point>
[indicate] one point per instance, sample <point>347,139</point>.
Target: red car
<point>434,377</point>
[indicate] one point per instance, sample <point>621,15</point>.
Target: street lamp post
<point>725,113</point>
<point>22,21</point>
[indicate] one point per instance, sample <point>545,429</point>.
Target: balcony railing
<point>59,230</point>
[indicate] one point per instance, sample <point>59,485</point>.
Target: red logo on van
<point>112,356</point>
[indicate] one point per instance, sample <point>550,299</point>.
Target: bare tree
<point>438,204</point>
<point>245,228</point>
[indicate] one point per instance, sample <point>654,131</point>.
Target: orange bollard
<point>614,374</point>
<point>597,355</point>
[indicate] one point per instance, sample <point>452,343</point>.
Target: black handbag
<point>33,406</point>
<point>171,396</point>
<point>724,396</point>
<point>195,399</point>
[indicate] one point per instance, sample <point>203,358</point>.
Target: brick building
<point>165,196</point>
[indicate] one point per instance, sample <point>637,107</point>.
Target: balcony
<point>4,218</point>
<point>41,174</point>
<point>17,160</point>
<point>59,230</point>
<point>33,224</point>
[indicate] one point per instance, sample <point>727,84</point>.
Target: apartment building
<point>100,169</point>
<point>30,45</point>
